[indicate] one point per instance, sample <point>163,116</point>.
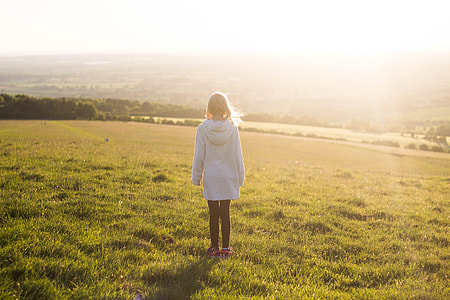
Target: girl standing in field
<point>218,161</point>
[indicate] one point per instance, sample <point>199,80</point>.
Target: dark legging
<point>219,209</point>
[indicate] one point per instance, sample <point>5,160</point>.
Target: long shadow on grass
<point>183,281</point>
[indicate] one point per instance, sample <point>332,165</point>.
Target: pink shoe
<point>227,252</point>
<point>213,252</point>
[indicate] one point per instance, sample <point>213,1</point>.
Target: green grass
<point>84,218</point>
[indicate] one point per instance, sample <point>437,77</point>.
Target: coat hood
<point>218,132</point>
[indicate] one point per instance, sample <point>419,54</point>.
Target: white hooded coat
<point>218,160</point>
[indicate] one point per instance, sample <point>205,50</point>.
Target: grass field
<point>84,218</point>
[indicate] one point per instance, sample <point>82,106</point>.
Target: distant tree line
<point>29,107</point>
<point>438,133</point>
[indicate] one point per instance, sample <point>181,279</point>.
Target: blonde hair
<point>220,109</point>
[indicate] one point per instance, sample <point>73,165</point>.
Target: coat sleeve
<point>239,160</point>
<point>199,157</point>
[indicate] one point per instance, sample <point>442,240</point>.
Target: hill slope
<point>86,218</point>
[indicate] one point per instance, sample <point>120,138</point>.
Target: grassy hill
<point>85,218</point>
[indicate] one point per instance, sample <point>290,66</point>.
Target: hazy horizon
<point>51,27</point>
<point>397,89</point>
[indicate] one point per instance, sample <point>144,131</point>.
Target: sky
<point>29,27</point>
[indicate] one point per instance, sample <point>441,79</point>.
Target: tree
<point>85,110</point>
<point>443,130</point>
<point>424,147</point>
<point>411,146</point>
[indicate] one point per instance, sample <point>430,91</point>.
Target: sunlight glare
<point>202,27</point>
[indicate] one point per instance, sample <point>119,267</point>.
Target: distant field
<point>86,218</point>
<point>336,133</point>
<point>400,89</point>
<point>332,133</point>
